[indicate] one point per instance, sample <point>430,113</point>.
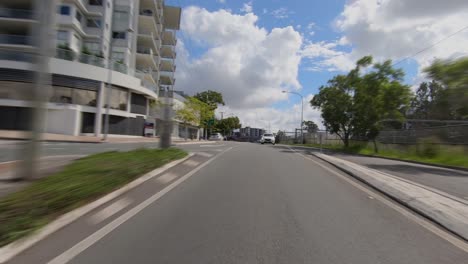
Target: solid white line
<point>9,251</point>
<point>191,163</point>
<point>166,178</point>
<point>404,211</point>
<point>212,146</point>
<point>109,211</point>
<point>204,154</point>
<point>98,235</point>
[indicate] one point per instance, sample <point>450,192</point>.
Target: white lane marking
<point>166,178</point>
<point>432,227</point>
<point>191,163</point>
<point>212,146</point>
<point>204,154</point>
<point>98,235</point>
<point>370,197</point>
<point>218,150</point>
<point>109,211</point>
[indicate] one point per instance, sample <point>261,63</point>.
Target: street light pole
<point>302,113</point>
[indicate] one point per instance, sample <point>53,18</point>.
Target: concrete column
<point>99,106</point>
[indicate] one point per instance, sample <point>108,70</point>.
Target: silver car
<point>216,137</point>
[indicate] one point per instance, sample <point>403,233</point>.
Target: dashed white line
<point>211,146</point>
<point>204,154</point>
<point>191,163</point>
<point>98,235</point>
<point>109,211</point>
<point>166,178</point>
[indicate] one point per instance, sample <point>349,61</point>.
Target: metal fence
<point>318,137</point>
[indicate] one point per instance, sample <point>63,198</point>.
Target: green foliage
<point>211,98</point>
<point>86,51</point>
<point>310,126</point>
<point>195,112</point>
<point>353,105</point>
<point>64,46</point>
<point>430,102</point>
<point>453,77</point>
<point>77,184</point>
<point>228,124</point>
<point>428,147</point>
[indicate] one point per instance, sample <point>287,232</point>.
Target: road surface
<point>248,203</point>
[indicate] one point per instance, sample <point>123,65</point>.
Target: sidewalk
<point>443,208</point>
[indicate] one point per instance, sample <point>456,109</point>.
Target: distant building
<point>251,133</point>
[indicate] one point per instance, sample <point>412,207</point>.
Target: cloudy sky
<point>252,50</point>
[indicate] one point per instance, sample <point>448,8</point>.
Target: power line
<point>431,46</point>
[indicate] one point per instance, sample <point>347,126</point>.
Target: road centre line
<point>101,233</point>
<point>459,243</point>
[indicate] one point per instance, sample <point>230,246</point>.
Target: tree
<point>430,102</point>
<point>354,105</point>
<point>211,98</point>
<point>228,124</point>
<point>453,77</point>
<point>310,126</point>
<point>194,112</point>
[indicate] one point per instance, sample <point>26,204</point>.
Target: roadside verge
<point>49,204</point>
<point>443,209</point>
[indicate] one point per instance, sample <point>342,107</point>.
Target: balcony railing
<point>12,55</point>
<point>92,60</point>
<point>16,13</point>
<point>144,50</point>
<point>16,39</point>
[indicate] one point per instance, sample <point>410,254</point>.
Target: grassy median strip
<point>79,183</point>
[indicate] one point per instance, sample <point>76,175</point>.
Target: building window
<point>62,37</point>
<point>67,95</point>
<point>94,47</point>
<point>78,16</point>
<point>119,98</point>
<point>64,10</point>
<point>118,35</point>
<point>118,56</point>
<point>93,23</point>
<point>95,2</point>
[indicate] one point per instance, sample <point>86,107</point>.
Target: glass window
<point>15,90</point>
<point>61,95</point>
<point>118,56</point>
<point>118,35</point>
<point>84,97</point>
<point>118,98</point>
<point>95,2</point>
<point>93,23</point>
<point>120,15</point>
<point>94,47</point>
<point>62,35</point>
<point>78,15</point>
<point>64,10</point>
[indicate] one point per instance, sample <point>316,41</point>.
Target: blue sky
<point>333,34</point>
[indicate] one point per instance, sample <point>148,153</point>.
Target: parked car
<point>268,138</point>
<point>216,137</point>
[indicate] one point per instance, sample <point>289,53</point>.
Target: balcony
<point>145,58</point>
<point>168,52</point>
<point>169,38</point>
<point>147,22</point>
<point>88,10</point>
<point>151,8</point>
<point>167,65</point>
<point>148,40</point>
<point>12,55</point>
<point>167,78</point>
<point>16,13</point>
<point>16,41</point>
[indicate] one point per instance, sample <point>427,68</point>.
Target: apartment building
<point>135,39</point>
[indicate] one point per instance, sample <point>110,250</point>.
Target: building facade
<point>135,39</point>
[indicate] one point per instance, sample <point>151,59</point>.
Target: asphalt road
<point>251,204</point>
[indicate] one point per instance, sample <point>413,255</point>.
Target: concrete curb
<point>379,157</point>
<point>9,251</point>
<point>452,214</point>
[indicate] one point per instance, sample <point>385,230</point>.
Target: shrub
<point>428,147</point>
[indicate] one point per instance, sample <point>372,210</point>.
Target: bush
<point>428,147</point>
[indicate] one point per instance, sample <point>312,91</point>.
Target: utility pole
<point>45,34</point>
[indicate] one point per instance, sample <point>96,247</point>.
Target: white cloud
<point>265,10</point>
<point>311,26</point>
<point>221,1</point>
<point>249,65</point>
<point>247,7</point>
<point>274,119</point>
<point>327,56</point>
<point>281,13</point>
<point>396,29</point>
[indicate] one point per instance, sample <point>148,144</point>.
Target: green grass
<point>77,184</point>
<point>443,155</point>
